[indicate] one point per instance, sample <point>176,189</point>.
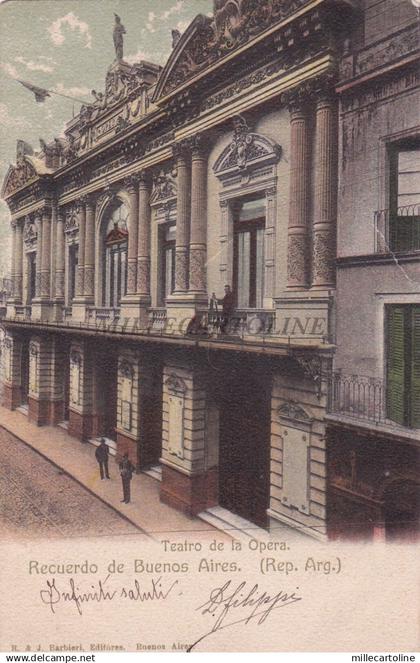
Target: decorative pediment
<point>246,150</point>
<point>71,223</point>
<point>18,176</point>
<point>208,40</point>
<point>116,235</point>
<point>164,187</point>
<point>30,233</point>
<point>294,411</point>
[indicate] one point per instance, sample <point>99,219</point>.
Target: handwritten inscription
<point>71,593</point>
<point>233,604</point>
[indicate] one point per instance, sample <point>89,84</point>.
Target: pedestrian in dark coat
<point>228,307</point>
<point>126,471</point>
<point>102,455</point>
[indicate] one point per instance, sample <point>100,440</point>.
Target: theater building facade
<point>221,168</point>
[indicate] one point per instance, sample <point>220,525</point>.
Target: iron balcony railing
<point>399,231</point>
<point>358,396</point>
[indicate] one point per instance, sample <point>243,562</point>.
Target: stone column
<point>18,266</point>
<point>13,265</point>
<point>143,244</point>
<point>81,259</point>
<point>298,260</point>
<point>133,225</point>
<point>11,395</point>
<point>181,154</point>
<point>46,252</point>
<point>60,260</point>
<point>53,254</point>
<point>38,222</point>
<point>89,248</point>
<point>198,238</point>
<point>325,203</point>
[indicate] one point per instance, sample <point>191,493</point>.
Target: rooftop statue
<point>119,31</point>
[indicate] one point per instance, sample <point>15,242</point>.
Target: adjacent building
<point>272,125</point>
<point>374,422</point>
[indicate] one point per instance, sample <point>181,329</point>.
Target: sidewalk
<point>146,511</point>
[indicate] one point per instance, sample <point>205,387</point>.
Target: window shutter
<point>396,369</point>
<point>415,368</point>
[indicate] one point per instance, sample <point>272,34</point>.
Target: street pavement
<point>37,499</point>
<point>146,513</point>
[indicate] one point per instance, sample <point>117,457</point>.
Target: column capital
<point>88,200</point>
<point>144,178</point>
<point>199,146</point>
<point>181,150</point>
<point>298,98</point>
<point>323,87</point>
<point>131,182</point>
<point>45,210</point>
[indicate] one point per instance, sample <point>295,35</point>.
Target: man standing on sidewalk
<point>126,471</point>
<point>102,455</point>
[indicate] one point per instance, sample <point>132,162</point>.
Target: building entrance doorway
<point>24,374</point>
<point>106,392</point>
<point>244,441</point>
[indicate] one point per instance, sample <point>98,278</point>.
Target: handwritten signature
<point>227,601</point>
<point>98,593</point>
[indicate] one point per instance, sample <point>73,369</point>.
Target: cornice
<point>266,90</point>
<point>256,96</point>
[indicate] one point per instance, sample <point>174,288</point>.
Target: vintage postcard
<point>210,326</point>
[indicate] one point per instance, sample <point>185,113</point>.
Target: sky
<point>67,46</point>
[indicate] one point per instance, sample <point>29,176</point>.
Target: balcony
<point>157,319</point>
<point>243,322</point>
<point>398,232</point>
<point>362,400</point>
<point>102,314</point>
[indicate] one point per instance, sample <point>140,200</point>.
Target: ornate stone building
<point>221,168</point>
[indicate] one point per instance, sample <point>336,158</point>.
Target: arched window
<point>115,254</point>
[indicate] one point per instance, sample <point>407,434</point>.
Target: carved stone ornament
<point>107,195</point>
<point>71,223</point>
<point>295,411</point>
<point>76,357</point>
<point>209,39</point>
<point>18,176</point>
<point>315,367</point>
<point>30,233</point>
<point>246,150</point>
<point>164,187</point>
<point>297,260</point>
<point>33,349</point>
<point>175,384</point>
<point>126,369</point>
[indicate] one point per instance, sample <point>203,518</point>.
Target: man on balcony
<point>228,307</point>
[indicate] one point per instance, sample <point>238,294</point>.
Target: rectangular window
<point>167,252</point>
<point>403,364</point>
<point>248,256</point>
<point>73,262</point>
<point>404,207</point>
<point>31,276</point>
